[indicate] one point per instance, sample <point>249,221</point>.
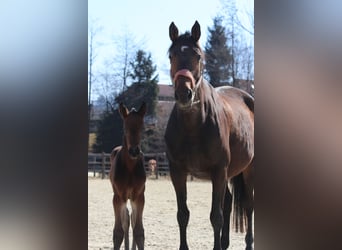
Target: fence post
<point>94,166</point>
<point>157,169</point>
<point>103,165</point>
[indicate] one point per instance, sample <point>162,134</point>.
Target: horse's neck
<point>208,96</point>
<point>192,120</point>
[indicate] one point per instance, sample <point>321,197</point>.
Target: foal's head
<point>186,58</point>
<point>133,126</point>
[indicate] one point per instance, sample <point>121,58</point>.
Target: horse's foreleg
<point>137,224</point>
<point>118,231</point>
<point>183,214</point>
<point>227,207</point>
<point>216,215</point>
<point>125,225</point>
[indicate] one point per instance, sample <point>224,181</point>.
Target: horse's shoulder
<point>172,120</point>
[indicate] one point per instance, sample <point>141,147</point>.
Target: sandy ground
<point>160,223</point>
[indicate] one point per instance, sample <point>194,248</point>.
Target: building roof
<point>165,90</point>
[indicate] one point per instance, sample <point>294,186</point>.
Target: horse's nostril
<point>189,94</point>
<point>176,96</point>
<point>134,151</point>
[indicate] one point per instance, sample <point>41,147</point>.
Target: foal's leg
<point>249,204</point>
<point>227,208</point>
<point>179,184</point>
<point>125,225</point>
<point>118,231</point>
<point>216,215</point>
<point>137,224</point>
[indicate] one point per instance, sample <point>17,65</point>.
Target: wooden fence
<point>99,164</point>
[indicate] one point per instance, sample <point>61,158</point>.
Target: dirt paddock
<point>159,219</point>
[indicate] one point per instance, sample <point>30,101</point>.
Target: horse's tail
<point>239,196</point>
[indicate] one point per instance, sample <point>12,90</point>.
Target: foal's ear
<point>123,110</point>
<point>196,31</point>
<point>142,110</point>
<point>173,32</point>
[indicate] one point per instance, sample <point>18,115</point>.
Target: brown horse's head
<point>133,126</point>
<point>186,58</point>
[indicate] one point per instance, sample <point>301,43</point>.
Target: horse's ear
<point>173,32</point>
<point>142,110</point>
<point>123,110</point>
<point>196,31</point>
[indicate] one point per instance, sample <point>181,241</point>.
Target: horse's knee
<point>138,233</point>
<point>125,220</point>
<point>183,216</point>
<point>216,218</point>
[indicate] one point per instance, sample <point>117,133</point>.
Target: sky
<point>149,22</point>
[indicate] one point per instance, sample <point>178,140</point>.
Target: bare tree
<point>125,50</point>
<point>248,62</point>
<point>114,75</point>
<point>243,14</point>
<point>248,14</point>
<point>106,89</point>
<point>242,63</point>
<point>93,31</point>
<point>230,9</point>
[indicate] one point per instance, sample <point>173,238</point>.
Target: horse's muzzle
<point>184,96</point>
<point>134,151</point>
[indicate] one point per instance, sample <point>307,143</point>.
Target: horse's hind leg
<point>249,204</point>
<point>227,207</point>
<point>137,224</point>
<point>118,232</point>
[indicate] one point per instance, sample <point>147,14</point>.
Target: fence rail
<point>99,163</point>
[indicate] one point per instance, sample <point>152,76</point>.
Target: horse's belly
<point>195,162</point>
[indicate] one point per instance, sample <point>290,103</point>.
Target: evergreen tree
<point>218,55</point>
<point>144,87</point>
<point>109,133</point>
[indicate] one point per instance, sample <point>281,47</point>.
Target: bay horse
<point>128,177</point>
<point>210,135</point>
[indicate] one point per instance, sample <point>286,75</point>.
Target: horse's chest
<point>130,187</point>
<point>195,153</point>
<point>128,183</point>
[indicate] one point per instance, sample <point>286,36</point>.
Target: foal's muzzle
<point>134,151</point>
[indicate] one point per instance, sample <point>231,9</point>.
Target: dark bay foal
<point>127,176</point>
